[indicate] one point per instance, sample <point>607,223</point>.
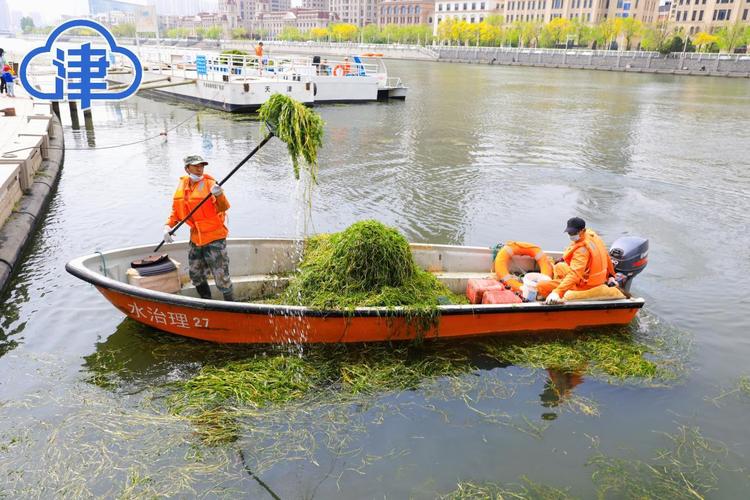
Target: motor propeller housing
<point>629,255</point>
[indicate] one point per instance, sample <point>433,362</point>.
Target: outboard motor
<point>629,256</point>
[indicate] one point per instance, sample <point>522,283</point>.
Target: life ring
<point>339,70</point>
<point>512,248</point>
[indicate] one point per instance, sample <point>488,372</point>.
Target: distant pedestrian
<point>259,55</point>
<point>7,78</point>
<point>2,64</point>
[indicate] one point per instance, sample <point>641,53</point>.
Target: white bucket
<point>530,281</point>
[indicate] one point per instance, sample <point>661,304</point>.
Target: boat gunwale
<point>79,270</point>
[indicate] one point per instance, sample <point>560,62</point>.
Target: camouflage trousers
<point>213,259</point>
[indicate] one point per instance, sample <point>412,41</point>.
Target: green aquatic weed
<point>299,127</point>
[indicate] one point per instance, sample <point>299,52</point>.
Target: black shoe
<point>229,297</point>
<point>204,291</point>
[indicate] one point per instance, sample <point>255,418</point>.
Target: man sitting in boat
<point>208,231</point>
<point>585,264</point>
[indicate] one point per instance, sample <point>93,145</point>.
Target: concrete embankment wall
<point>732,65</point>
<point>18,229</point>
<point>412,52</point>
<point>735,65</point>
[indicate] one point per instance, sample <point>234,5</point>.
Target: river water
<point>476,155</point>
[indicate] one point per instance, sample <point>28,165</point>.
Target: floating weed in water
<point>280,376</point>
<point>110,365</point>
<point>220,394</point>
<point>93,446</point>
<point>612,355</point>
<point>528,489</point>
<point>688,469</point>
<point>258,381</point>
<point>378,369</point>
<point>624,355</point>
<point>741,390</point>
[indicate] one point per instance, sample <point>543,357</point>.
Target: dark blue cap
<point>575,225</point>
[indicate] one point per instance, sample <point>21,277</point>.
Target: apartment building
<point>316,4</point>
<point>274,23</point>
<point>473,12</point>
<point>405,12</point>
<point>588,11</point>
<point>708,15</point>
<point>358,12</point>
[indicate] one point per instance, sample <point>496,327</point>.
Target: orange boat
<point>260,268</point>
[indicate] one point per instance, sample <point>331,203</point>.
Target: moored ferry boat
<point>224,82</point>
<point>260,268</point>
<point>242,83</point>
<point>350,79</point>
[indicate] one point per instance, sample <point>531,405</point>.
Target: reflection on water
<point>557,388</point>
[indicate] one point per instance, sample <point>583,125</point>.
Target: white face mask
<point>574,237</point>
<point>195,178</point>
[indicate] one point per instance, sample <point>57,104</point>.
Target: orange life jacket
<point>596,269</point>
<point>206,224</point>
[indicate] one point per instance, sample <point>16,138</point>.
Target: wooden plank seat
<point>251,286</point>
<point>265,285</point>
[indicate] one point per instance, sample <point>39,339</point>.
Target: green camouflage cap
<point>194,160</point>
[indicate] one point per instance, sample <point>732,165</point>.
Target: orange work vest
<point>259,51</point>
<point>207,224</point>
<point>596,269</point>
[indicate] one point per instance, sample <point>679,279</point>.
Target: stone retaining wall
<point>735,65</point>
<point>19,228</point>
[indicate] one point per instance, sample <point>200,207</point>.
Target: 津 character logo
<point>81,71</point>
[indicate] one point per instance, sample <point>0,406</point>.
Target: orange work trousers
<point>562,269</point>
<point>545,288</point>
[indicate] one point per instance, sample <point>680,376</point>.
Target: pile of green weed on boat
<point>367,265</point>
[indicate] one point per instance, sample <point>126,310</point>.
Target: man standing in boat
<point>208,231</point>
<point>585,264</point>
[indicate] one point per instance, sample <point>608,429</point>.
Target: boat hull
<point>261,268</point>
<point>223,322</point>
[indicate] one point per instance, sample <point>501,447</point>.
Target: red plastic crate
<point>476,288</point>
<point>500,297</point>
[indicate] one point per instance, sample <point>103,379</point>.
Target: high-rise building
<point>229,10</point>
<point>184,7</point>
<point>104,6</point>
<point>4,17</point>
<point>358,12</point>
<point>315,4</point>
<point>280,5</point>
